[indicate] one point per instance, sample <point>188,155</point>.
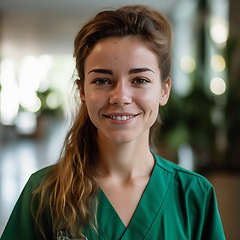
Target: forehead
<point>126,40</point>
<point>126,49</point>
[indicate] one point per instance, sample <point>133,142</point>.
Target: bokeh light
<point>188,64</point>
<point>218,63</point>
<point>218,86</point>
<point>219,30</point>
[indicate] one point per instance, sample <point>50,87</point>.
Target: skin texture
<point>122,92</point>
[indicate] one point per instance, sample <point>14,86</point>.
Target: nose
<point>120,94</point>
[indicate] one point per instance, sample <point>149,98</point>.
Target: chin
<point>121,139</point>
<point>128,137</point>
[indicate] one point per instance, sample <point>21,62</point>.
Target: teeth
<point>121,118</point>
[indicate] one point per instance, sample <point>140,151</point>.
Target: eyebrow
<point>100,70</point>
<point>131,71</point>
<point>139,70</point>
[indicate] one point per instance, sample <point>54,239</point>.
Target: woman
<point>108,184</point>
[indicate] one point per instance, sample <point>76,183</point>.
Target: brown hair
<point>71,187</point>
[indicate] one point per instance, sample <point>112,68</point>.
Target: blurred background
<point>201,123</point>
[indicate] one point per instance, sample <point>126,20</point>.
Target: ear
<point>82,94</point>
<point>165,92</point>
<point>80,89</point>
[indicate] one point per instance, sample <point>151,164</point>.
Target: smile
<point>120,118</point>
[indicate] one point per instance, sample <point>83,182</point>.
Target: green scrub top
<point>176,204</point>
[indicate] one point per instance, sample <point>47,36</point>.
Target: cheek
<point>151,109</point>
<point>151,100</point>
<point>93,113</point>
<point>94,105</point>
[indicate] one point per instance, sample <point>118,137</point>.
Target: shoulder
<point>37,177</point>
<point>191,198</point>
<point>182,177</point>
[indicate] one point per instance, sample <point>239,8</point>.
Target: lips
<point>120,117</point>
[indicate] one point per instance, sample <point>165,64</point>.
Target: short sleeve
<point>212,229</point>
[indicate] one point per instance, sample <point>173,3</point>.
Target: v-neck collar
<point>148,207</point>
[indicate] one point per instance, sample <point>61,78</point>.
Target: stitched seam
<point>160,208</point>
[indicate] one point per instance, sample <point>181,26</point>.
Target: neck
<point>125,160</point>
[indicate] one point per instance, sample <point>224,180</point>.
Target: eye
<point>101,81</point>
<point>140,81</point>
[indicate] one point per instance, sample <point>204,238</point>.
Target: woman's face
<point>123,89</point>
